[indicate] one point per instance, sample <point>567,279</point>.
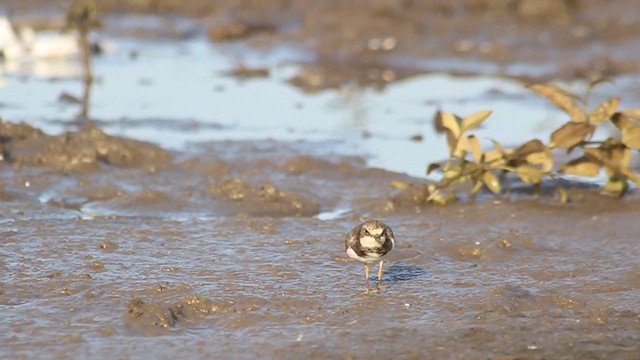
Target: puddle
<point>176,93</point>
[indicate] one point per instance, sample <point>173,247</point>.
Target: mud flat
<point>235,250</point>
<point>120,248</point>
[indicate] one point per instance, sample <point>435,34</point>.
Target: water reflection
<point>402,272</point>
<point>169,83</point>
<point>82,15</point>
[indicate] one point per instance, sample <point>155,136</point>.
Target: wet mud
<point>77,151</point>
<point>235,249</point>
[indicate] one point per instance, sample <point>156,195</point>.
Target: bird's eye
<point>366,231</point>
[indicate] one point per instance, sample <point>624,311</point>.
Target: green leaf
<point>570,134</point>
<point>474,120</point>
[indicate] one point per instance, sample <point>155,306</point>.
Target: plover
<point>369,242</point>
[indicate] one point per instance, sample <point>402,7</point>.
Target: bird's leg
<point>379,286</point>
<point>366,274</point>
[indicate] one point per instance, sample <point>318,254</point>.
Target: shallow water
<point>177,93</point>
<point>234,248</point>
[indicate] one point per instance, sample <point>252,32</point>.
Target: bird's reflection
<point>403,272</point>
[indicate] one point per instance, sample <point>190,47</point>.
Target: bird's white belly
<point>372,257</point>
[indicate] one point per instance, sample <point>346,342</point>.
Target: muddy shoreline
<point>532,40</point>
<point>121,248</point>
<point>140,262</point>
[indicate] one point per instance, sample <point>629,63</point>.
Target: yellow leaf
<point>604,111</point>
<point>475,148</point>
<point>632,113</point>
<point>529,174</point>
<point>570,134</point>
<point>449,122</point>
<point>432,167</point>
<point>543,158</point>
<point>497,145</point>
<point>597,81</point>
<point>476,187</point>
<point>474,120</point>
<point>461,147</point>
<point>452,172</point>
<point>452,141</point>
<point>616,155</point>
<point>491,181</point>
<point>616,187</point>
<point>564,196</point>
<point>493,155</point>
<point>436,197</point>
<point>631,136</point>
<point>437,122</point>
<point>613,155</point>
<point>583,166</point>
<point>399,185</point>
<point>560,98</point>
<point>443,199</point>
<point>631,175</point>
<point>594,152</point>
<point>621,121</point>
<point>531,146</point>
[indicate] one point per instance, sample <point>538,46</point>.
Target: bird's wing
<point>390,233</point>
<point>352,237</point>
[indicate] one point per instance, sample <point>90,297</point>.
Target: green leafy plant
<point>533,162</point>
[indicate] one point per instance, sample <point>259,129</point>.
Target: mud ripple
<point>505,246</point>
<point>265,200</point>
<point>156,317</point>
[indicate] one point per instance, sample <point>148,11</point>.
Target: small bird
<point>369,242</point>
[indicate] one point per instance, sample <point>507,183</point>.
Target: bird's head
<point>375,230</point>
